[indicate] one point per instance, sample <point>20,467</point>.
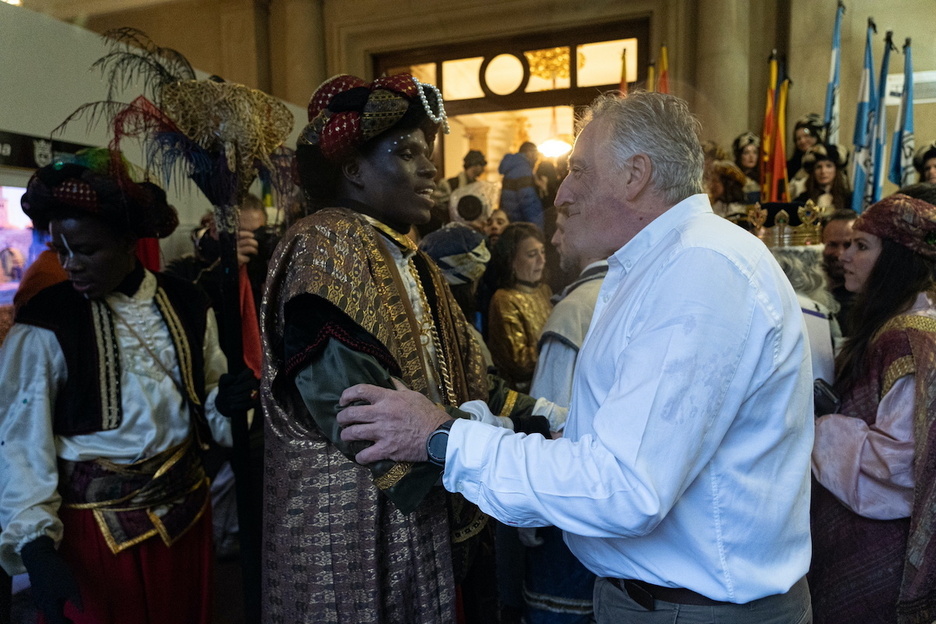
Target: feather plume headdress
<point>219,134</point>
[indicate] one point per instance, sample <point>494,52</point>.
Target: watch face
<point>436,445</point>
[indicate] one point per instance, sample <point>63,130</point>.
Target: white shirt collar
<point>653,233</point>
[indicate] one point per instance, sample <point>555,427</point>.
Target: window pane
<point>460,79</point>
<point>549,69</point>
<point>503,132</point>
<point>504,74</point>
<point>600,63</point>
<point>426,72</point>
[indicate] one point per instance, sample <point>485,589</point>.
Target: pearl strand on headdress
<point>440,118</point>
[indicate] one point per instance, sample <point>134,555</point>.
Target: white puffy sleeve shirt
<point>870,467</point>
<point>155,415</point>
<point>685,459</point>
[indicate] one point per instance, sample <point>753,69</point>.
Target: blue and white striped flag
<point>864,129</point>
<point>880,132</point>
<point>901,165</point>
<point>832,91</point>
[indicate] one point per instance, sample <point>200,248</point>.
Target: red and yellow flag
<point>767,131</point>
<point>774,183</point>
<point>779,185</point>
<point>662,85</point>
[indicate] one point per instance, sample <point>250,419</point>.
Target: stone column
<point>723,69</point>
<point>297,49</point>
<point>245,48</point>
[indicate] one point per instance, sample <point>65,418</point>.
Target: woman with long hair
<point>874,460</point>
<point>808,131</point>
<point>520,306</point>
<point>747,156</point>
<point>726,190</point>
<point>826,183</point>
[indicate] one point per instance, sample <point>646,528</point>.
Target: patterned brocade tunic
<point>515,322</point>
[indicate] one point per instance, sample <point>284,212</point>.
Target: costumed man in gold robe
<point>348,300</point>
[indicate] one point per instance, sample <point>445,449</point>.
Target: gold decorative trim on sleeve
<point>471,529</point>
<point>393,476</point>
<point>108,371</point>
<point>509,403</point>
<point>907,321</point>
<point>899,368</point>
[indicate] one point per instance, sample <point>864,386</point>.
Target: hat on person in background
<point>905,220</point>
<point>836,154</point>
<point>459,250</point>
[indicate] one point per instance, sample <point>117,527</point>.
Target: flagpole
<point>901,169</point>
<point>880,132</point>
<point>864,127</point>
<point>623,87</point>
<point>832,90</point>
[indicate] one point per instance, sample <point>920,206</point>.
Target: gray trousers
<point>614,606</point>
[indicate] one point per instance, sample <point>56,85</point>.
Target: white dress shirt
<point>155,415</point>
<point>685,459</point>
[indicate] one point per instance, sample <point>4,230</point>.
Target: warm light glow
<point>554,147</point>
<point>13,2</point>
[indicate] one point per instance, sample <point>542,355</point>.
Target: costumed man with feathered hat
<point>111,382</point>
<point>350,299</point>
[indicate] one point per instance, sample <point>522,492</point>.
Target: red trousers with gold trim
<point>149,583</point>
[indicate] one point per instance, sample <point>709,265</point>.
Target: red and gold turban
<point>345,112</point>
<point>902,219</point>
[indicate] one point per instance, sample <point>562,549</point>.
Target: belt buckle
<point>639,595</point>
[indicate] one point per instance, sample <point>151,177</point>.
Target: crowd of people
<point>673,422</point>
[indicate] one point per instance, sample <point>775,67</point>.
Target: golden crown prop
<point>782,234</point>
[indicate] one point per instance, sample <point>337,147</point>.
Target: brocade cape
<point>336,548</point>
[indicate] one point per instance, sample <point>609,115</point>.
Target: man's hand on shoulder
<point>397,421</point>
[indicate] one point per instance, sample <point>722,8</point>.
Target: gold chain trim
<point>393,476</point>
<point>402,240</point>
<point>471,529</point>
<point>446,388</point>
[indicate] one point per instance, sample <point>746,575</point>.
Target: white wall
<point>46,74</point>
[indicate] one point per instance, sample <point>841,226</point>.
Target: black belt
<point>645,594</point>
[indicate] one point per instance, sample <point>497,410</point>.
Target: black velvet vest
<point>90,399</point>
